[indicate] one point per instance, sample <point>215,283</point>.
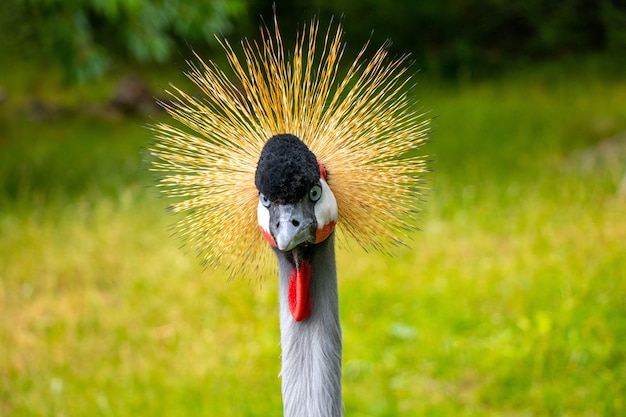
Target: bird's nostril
<point>295,223</point>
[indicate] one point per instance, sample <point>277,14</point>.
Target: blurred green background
<point>510,301</point>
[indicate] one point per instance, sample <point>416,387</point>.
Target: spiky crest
<point>363,128</point>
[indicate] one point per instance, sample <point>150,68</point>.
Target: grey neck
<point>311,349</point>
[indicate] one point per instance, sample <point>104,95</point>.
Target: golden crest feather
<point>363,128</point>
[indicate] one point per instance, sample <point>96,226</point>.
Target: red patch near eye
<point>268,236</point>
<point>323,233</point>
<point>322,170</point>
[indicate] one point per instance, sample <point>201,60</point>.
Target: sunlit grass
<point>509,302</point>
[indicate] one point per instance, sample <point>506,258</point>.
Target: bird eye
<point>264,200</point>
<point>315,193</point>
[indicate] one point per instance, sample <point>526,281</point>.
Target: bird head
<point>296,206</point>
<point>296,210</point>
<point>254,149</point>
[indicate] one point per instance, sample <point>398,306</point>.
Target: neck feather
<point>311,349</point>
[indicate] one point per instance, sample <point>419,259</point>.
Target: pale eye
<point>315,193</point>
<point>264,200</point>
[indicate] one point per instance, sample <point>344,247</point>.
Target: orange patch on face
<point>323,233</point>
<point>268,236</point>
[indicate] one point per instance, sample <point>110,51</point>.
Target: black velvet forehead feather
<point>287,169</point>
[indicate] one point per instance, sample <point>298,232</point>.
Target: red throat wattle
<point>298,296</point>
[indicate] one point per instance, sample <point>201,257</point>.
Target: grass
<point>509,302</point>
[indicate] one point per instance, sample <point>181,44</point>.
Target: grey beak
<point>292,225</point>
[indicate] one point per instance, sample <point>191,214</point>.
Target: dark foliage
<point>450,38</point>
<point>472,35</point>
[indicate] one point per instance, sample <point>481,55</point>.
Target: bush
<point>85,36</point>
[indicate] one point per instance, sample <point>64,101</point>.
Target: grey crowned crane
<point>272,158</point>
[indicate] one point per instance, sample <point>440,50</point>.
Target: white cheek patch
<point>325,208</point>
<point>263,216</point>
